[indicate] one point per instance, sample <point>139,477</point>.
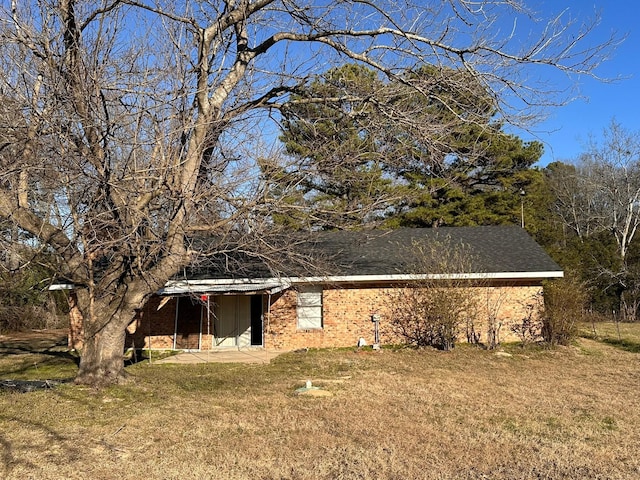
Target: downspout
<point>148,318</point>
<point>209,339</point>
<point>236,321</point>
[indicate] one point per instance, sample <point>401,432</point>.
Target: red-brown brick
<point>347,315</point>
<point>347,312</point>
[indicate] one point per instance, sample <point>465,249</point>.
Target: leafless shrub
<point>473,336</point>
<point>428,315</point>
<point>492,302</point>
<point>431,310</point>
<point>564,302</point>
<point>529,328</point>
<point>29,317</point>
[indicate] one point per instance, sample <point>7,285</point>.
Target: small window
<point>310,308</point>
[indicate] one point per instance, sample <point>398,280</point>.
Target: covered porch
<point>204,317</point>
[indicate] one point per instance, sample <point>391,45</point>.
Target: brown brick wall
<point>141,333</point>
<point>153,328</point>
<point>509,305</point>
<point>280,319</point>
<point>347,316</point>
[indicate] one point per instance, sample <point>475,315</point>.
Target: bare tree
<point>600,195</point>
<point>132,124</point>
<point>601,192</point>
<point>613,168</point>
<point>575,199</point>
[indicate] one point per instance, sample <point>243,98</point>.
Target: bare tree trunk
<point>104,325</point>
<point>629,306</point>
<point>102,360</point>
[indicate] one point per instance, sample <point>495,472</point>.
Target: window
<point>310,308</point>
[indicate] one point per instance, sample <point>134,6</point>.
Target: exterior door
<point>232,322</point>
<point>256,320</point>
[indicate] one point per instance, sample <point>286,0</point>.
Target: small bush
<point>530,327</point>
<point>564,302</point>
<point>429,316</point>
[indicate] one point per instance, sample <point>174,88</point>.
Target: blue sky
<point>567,128</point>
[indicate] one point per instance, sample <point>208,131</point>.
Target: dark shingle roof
<point>490,250</point>
<point>494,249</point>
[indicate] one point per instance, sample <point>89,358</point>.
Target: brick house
<point>336,306</point>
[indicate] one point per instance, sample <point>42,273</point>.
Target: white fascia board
<point>245,286</point>
<point>432,276</point>
<point>191,285</point>
<point>225,281</point>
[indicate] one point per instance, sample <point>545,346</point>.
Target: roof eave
<point>431,276</point>
<point>278,284</point>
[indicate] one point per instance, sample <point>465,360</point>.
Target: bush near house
<point>429,313</point>
<point>430,316</point>
<point>564,300</point>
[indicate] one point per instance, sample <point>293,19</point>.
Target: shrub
<point>30,317</point>
<point>26,305</point>
<point>429,316</point>
<point>529,328</point>
<point>431,311</point>
<point>564,307</point>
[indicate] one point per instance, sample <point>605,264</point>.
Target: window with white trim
<point>310,308</point>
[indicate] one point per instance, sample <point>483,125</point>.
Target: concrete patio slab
<point>223,356</point>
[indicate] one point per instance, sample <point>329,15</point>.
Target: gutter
<point>275,285</point>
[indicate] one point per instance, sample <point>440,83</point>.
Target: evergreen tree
<point>377,150</point>
<point>339,174</point>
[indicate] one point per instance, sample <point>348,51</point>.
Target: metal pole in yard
<point>522,194</point>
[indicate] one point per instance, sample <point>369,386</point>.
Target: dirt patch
<point>34,341</point>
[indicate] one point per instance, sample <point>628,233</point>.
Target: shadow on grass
<point>34,361</point>
<point>53,352</point>
<point>626,345</point>
<point>54,347</point>
<point>131,357</point>
<point>26,386</point>
<point>13,456</point>
<point>37,366</point>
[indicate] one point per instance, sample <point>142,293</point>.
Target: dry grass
<point>623,335</point>
<point>469,414</point>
